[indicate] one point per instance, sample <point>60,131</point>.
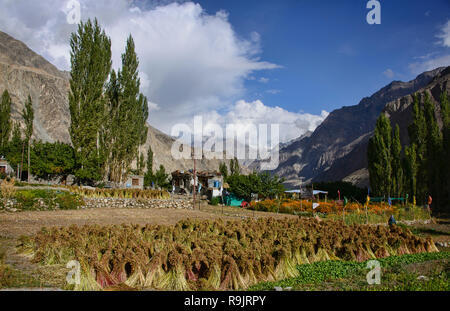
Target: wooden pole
<point>367,216</point>
<point>195,174</point>
<point>29,166</point>
<point>21,164</point>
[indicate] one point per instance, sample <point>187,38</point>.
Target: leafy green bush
<point>265,185</point>
<point>215,201</point>
<point>68,201</point>
<point>37,199</point>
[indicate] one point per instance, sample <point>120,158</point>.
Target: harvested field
<point>13,225</point>
<point>212,255</point>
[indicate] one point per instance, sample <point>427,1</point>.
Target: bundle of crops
<point>121,193</point>
<point>213,255</point>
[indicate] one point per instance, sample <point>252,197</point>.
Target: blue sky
<point>330,56</point>
<point>247,62</point>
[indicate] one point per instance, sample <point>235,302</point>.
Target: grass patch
<point>430,231</point>
<point>350,275</point>
<point>12,278</point>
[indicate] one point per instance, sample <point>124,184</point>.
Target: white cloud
<point>419,67</point>
<point>434,59</point>
<point>389,73</point>
<point>242,113</point>
<point>191,62</point>
<point>445,35</point>
<point>263,80</point>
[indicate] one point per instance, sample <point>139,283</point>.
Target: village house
<point>209,183</point>
<point>134,182</point>
<point>5,168</point>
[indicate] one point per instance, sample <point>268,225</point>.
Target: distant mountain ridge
<point>337,149</point>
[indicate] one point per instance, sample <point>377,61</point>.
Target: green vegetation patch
<point>37,199</point>
<point>350,275</point>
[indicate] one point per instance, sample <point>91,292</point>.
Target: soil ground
<point>13,225</point>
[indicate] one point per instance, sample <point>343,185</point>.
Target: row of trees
<point>44,160</point>
<point>108,112</point>
<point>263,184</point>
<point>108,116</point>
<point>420,169</point>
<point>10,132</point>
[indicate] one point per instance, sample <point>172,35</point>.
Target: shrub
<point>215,201</point>
<point>69,201</point>
<point>37,199</point>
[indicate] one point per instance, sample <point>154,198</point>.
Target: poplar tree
<point>128,115</point>
<point>223,170</point>
<point>15,146</point>
<point>433,150</point>
<point>111,126</point>
<point>417,135</point>
<point>445,162</point>
<point>410,164</point>
<point>397,169</point>
<point>148,177</point>
<point>379,157</point>
<point>28,117</point>
<point>91,66</point>
<point>5,119</point>
<point>234,167</point>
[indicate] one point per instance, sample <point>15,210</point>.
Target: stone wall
<point>11,205</point>
<point>136,203</point>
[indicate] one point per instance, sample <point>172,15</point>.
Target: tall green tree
<point>397,167</point>
<point>128,111</point>
<point>5,119</point>
<point>433,149</point>
<point>28,117</point>
<point>91,66</point>
<point>410,168</point>
<point>444,161</point>
<point>148,177</point>
<point>142,129</point>
<point>15,146</point>
<point>380,158</point>
<point>223,170</point>
<point>417,135</point>
<point>234,167</point>
<point>140,164</point>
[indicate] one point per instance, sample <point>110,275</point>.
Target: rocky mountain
<point>23,73</point>
<point>400,112</point>
<point>336,150</point>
